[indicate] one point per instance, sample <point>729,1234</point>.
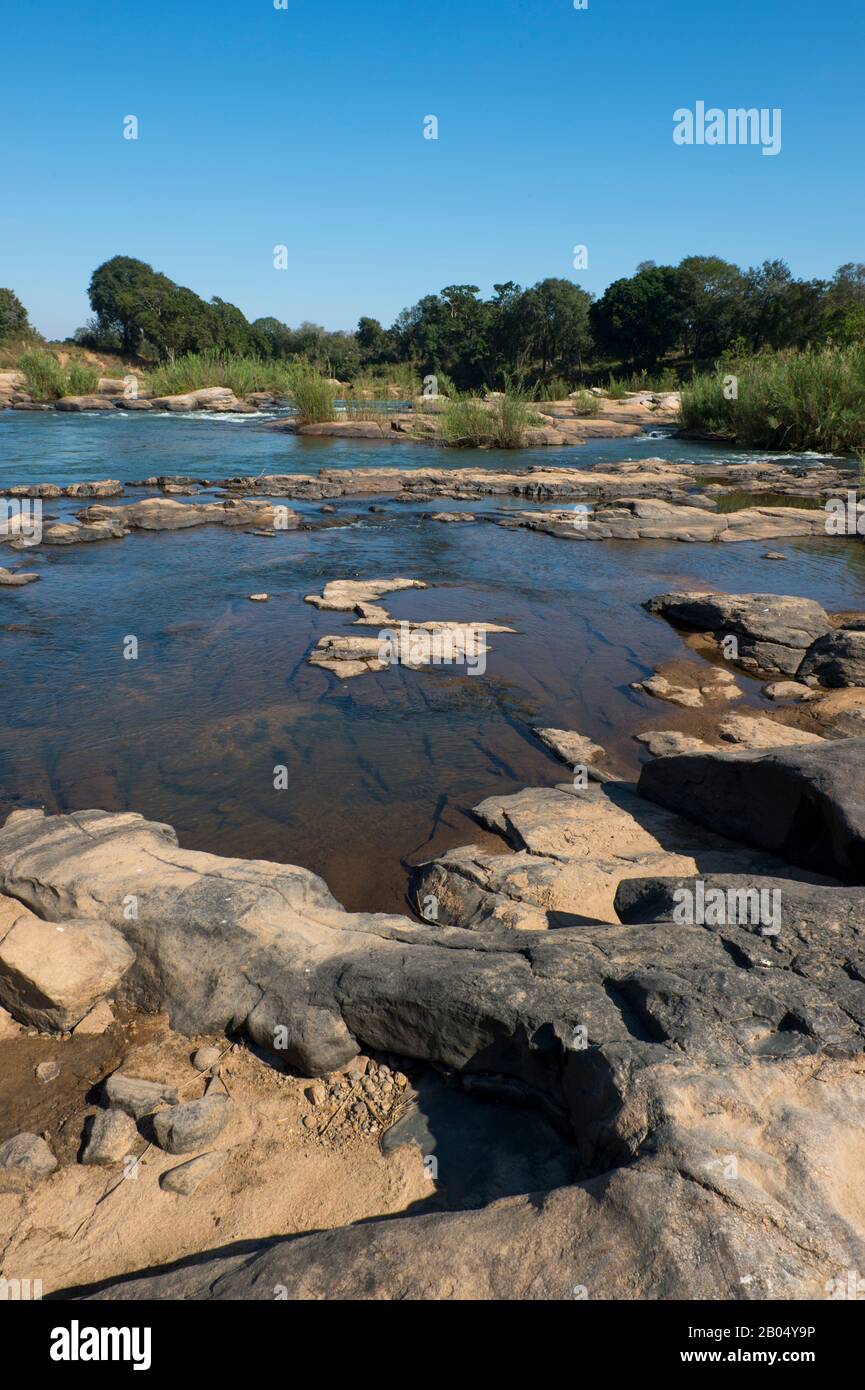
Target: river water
<point>383,769</point>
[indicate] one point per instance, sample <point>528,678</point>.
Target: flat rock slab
<point>743,1179</point>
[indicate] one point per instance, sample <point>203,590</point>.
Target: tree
<point>374,342</point>
<point>712,301</point>
<point>14,322</point>
<point>639,319</point>
<point>557,319</point>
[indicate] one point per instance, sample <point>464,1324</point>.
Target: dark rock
<point>773,631</point>
<point>192,1125</point>
<point>836,659</point>
<point>28,1152</point>
<point>806,805</point>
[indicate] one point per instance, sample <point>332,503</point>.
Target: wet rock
<point>52,974</point>
<point>574,749</point>
<point>112,1137</point>
<point>258,598</point>
<point>28,1152</point>
<point>773,631</point>
<point>16,578</point>
<point>165,514</point>
<point>186,1178</point>
<point>136,1097</point>
<point>689,697</point>
<point>787,690</point>
<point>106,487</point>
<point>192,1124</point>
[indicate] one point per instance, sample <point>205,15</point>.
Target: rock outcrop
<point>772,631</point>
<point>806,805</point>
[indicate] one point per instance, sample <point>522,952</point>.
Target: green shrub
<point>556,389</point>
<point>81,379</point>
<point>791,400</point>
<point>585,403</point>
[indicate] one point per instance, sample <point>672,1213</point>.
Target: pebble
<point>48,1071</point>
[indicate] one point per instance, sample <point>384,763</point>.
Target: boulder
<point>28,1152</point>
<point>51,975</point>
<point>105,487</point>
<point>836,659</point>
<point>773,631</point>
<point>78,403</point>
<point>806,805</point>
<point>193,1124</point>
<point>111,1137</point>
<point>135,1097</point>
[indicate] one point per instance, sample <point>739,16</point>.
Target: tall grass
<point>192,371</point>
<point>313,396</point>
<point>46,380</point>
<point>467,423</point>
<point>584,403</point>
<point>792,400</point>
<point>556,389</point>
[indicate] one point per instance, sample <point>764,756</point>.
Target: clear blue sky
<point>304,126</point>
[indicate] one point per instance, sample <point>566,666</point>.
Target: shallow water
<point>382,768</point>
